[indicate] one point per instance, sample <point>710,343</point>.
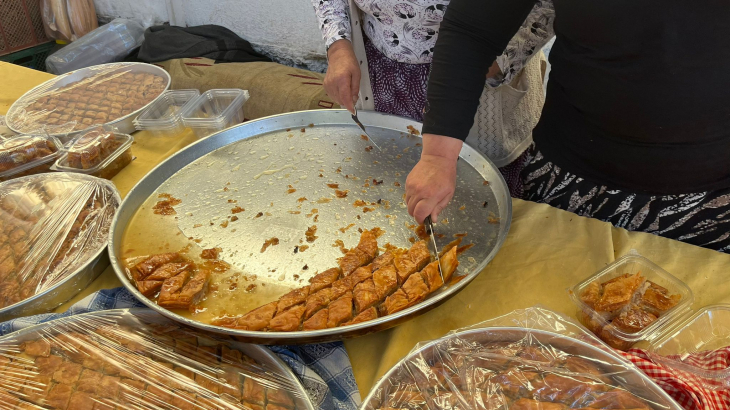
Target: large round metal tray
<point>630,378</point>
<point>125,124</point>
<point>238,161</point>
<point>260,354</point>
<point>76,281</point>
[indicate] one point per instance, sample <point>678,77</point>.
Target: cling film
<point>136,359</point>
<point>50,226</point>
<point>531,359</point>
<point>73,103</point>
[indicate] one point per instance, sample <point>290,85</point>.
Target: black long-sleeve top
<point>639,91</point>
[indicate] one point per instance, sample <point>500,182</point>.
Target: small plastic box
<point>694,339</point>
<point>215,110</point>
<point>162,118</point>
<point>98,152</point>
<point>27,155</point>
<point>600,322</point>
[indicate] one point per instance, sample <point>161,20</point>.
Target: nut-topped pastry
<point>95,100</point>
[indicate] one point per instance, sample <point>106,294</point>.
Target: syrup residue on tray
<point>231,291</point>
<point>165,206</point>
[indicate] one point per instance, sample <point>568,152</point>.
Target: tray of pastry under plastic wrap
<point>137,359</point>
<point>53,236</point>
<point>293,229</point>
<point>103,94</point>
<point>531,359</point>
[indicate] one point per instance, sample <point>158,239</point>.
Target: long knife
<point>429,228</point>
<point>362,127</point>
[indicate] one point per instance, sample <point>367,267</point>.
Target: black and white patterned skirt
<point>702,218</point>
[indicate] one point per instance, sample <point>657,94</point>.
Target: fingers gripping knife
<point>362,127</point>
<point>429,229</point>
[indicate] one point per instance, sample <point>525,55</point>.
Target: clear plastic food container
<point>630,300</point>
<point>694,343</point>
<point>162,117</point>
<point>215,110</point>
<point>98,152</point>
<point>27,155</point>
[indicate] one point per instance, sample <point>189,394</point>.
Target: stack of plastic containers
<point>162,118</point>
<point>214,110</point>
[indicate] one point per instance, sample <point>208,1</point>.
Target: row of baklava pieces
<point>410,396</point>
<point>80,99</point>
<point>332,301</point>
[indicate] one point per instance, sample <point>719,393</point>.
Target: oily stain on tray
<point>230,292</point>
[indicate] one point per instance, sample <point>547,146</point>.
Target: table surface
<point>547,251</point>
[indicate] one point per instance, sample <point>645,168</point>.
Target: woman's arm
<point>472,35</point>
<point>342,81</point>
<point>334,20</point>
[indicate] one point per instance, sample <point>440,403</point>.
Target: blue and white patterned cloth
<point>324,369</point>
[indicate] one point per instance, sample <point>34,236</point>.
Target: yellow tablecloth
<point>547,251</point>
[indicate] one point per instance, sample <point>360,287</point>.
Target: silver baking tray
<point>629,377</point>
<point>256,162</point>
<point>76,281</point>
<point>260,354</point>
<point>125,124</point>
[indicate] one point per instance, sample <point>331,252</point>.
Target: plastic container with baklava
<point>215,110</point>
<point>27,155</point>
<point>98,153</point>
<point>136,359</point>
<point>162,117</point>
<point>630,300</point>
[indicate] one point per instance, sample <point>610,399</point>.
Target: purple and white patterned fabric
<point>406,30</point>
<point>700,218</point>
<point>398,88</point>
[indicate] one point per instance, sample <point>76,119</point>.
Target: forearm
<point>472,34</point>
<point>334,20</point>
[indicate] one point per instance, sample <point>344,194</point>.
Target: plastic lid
<point>93,151</point>
<point>165,111</point>
<point>693,343</point>
<point>22,153</point>
<point>214,108</point>
<point>652,279</point>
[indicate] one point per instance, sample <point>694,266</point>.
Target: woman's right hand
<point>431,183</point>
<point>342,81</point>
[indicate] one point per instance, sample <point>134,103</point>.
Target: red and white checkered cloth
<point>689,390</point>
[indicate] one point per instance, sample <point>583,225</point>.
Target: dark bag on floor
<point>215,42</point>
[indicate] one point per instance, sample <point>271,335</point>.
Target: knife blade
<point>362,127</point>
<point>429,228</point>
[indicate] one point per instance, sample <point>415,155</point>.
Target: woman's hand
<point>431,183</point>
<point>342,81</point>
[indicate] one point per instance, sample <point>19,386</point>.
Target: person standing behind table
<point>636,125</point>
<point>387,65</point>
